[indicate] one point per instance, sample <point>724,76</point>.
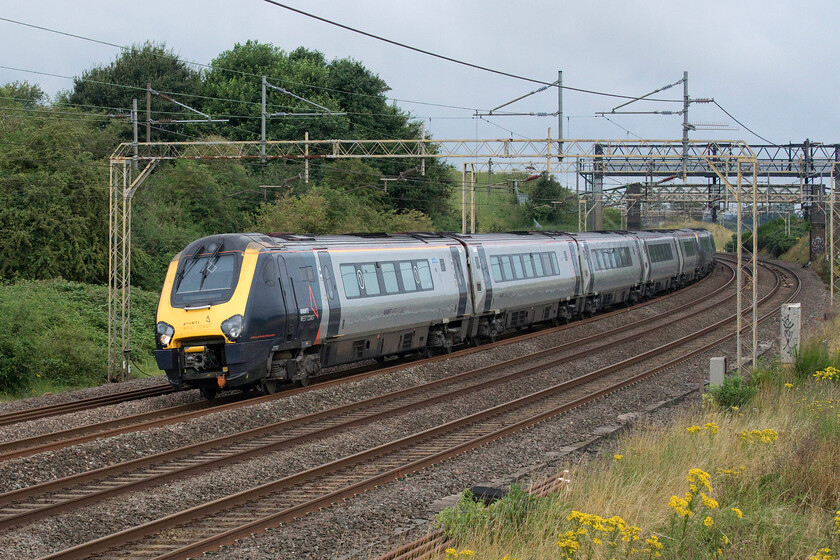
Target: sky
<point>768,63</point>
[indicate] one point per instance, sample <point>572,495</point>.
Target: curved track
<point>294,495</point>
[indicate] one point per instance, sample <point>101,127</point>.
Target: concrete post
<point>790,324</point>
<point>717,370</point>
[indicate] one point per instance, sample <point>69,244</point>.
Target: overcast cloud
<point>769,63</point>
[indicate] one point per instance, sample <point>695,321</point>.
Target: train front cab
<point>202,335</point>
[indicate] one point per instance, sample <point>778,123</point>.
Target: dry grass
<point>787,489</point>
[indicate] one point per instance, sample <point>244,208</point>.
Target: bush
<point>735,392</point>
<point>56,334</point>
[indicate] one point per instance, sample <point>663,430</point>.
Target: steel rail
<point>269,438</point>
<point>399,470</point>
<point>81,404</point>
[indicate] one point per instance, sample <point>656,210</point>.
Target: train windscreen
<point>206,280</point>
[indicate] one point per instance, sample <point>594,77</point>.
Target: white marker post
<point>789,341</point>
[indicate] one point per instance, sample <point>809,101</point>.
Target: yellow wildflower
<point>711,427</point>
<point>701,476</point>
<point>708,502</point>
<point>828,374</point>
<point>837,522</point>
<point>680,506</point>
<point>618,457</point>
<point>789,385</point>
<point>693,429</point>
<point>738,512</point>
<point>708,521</point>
<point>596,540</point>
<point>822,554</point>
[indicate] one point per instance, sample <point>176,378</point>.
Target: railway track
<point>404,460</point>
<point>81,404</point>
<point>203,528</point>
<point>47,498</point>
<point>153,419</point>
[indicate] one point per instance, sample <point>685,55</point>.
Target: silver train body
<point>302,303</point>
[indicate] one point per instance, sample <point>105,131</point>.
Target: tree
<point>111,88</point>
<point>23,93</point>
<point>549,203</point>
<point>53,198</point>
<point>233,85</point>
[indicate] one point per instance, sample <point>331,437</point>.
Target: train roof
<point>240,241</point>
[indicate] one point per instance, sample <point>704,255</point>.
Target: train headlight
<point>233,327</point>
<point>164,333</point>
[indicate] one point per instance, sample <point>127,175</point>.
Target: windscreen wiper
<point>190,264</point>
<point>210,262</point>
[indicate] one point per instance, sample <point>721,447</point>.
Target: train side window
<point>407,275</point>
<point>507,271</point>
<point>528,266</point>
<point>456,266</point>
<point>328,281</point>
<point>538,267</point>
<point>389,278</point>
<point>496,269</point>
<point>546,262</point>
<point>517,267</point>
<point>613,260</point>
<point>370,280</point>
<point>442,265</point>
<point>425,275</point>
<point>350,281</point>
<point>554,265</point>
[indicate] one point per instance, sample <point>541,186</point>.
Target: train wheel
<point>209,392</point>
<point>302,382</point>
<point>268,386</point>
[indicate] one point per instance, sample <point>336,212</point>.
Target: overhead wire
<point>748,129</point>
<point>323,88</point>
<point>230,70</point>
<point>457,61</point>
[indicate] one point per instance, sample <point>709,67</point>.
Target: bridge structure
<point>651,174</point>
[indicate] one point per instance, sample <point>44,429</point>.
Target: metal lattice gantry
<point>731,162</point>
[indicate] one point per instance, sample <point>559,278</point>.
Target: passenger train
<point>252,310</point>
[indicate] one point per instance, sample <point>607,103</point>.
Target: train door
<point>330,286</point>
<point>266,309</point>
<point>287,290</point>
<point>641,250</point>
<point>585,267</point>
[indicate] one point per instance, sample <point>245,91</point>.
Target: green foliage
<point>772,237</point>
<point>813,355</point>
<point>549,203</point>
<point>56,333</point>
<point>324,210</point>
<point>29,96</point>
<point>499,520</point>
<point>735,391</point>
<point>53,198</point>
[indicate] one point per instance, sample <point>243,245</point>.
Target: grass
<point>774,460</point>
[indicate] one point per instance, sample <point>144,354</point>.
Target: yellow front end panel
<point>205,322</point>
